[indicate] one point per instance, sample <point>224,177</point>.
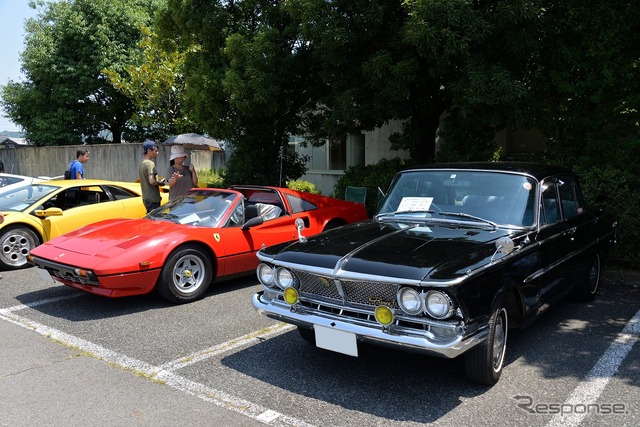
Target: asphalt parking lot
<point>71,358</point>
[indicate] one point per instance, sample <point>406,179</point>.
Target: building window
<point>337,154</point>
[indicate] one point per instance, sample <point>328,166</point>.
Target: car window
<point>119,193</point>
<point>235,219</point>
<point>499,197</point>
<point>201,208</point>
<point>571,201</point>
<point>91,195</point>
<point>8,180</point>
<point>299,205</point>
<point>21,198</point>
<point>550,208</point>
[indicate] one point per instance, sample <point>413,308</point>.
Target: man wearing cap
<point>182,178</point>
<point>148,176</point>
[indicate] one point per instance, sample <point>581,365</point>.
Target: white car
<point>9,181</point>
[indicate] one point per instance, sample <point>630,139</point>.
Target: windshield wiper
<point>473,217</point>
<point>172,217</point>
<point>392,214</point>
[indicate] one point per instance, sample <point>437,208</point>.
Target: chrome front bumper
<point>450,348</point>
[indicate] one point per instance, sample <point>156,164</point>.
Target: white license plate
<point>334,340</point>
<point>44,275</point>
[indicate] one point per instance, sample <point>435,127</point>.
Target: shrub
<point>612,191</point>
<point>301,185</point>
<point>211,178</point>
<point>376,178</point>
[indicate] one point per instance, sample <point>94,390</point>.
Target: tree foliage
<point>66,98</point>
<point>587,79</point>
<point>262,70</point>
<point>247,79</point>
<point>156,86</point>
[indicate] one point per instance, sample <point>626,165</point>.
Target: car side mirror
<point>300,226</point>
<point>48,212</point>
<point>252,222</point>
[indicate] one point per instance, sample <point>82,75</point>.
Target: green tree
<point>586,84</point>
<point>247,81</point>
<point>66,98</point>
<point>587,79</point>
<point>156,86</point>
<point>264,70</point>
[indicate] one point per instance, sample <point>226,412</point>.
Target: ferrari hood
<point>401,250</point>
<point>108,238</point>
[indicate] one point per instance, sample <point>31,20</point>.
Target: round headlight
<point>438,304</point>
<point>409,301</point>
<point>291,295</point>
<point>384,315</point>
<point>266,275</point>
<point>285,278</point>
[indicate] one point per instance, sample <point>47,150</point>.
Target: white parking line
<point>590,389</point>
<point>218,397</point>
<point>252,338</point>
<point>38,303</point>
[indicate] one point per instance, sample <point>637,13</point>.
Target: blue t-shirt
<point>74,168</point>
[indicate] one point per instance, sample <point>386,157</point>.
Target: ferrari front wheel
<point>15,245</point>
<point>186,275</point>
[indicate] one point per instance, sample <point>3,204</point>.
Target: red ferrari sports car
<point>180,248</point>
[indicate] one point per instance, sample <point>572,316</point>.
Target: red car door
<point>241,245</point>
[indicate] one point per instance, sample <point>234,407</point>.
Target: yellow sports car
<point>40,211</point>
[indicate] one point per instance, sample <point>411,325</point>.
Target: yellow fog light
<point>384,315</point>
<point>291,295</point>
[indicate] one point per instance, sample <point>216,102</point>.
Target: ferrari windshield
<point>492,198</point>
<point>18,199</point>
<point>203,208</point>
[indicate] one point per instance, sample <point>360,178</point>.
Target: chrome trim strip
<point>554,264</point>
<point>399,315</point>
<point>448,349</point>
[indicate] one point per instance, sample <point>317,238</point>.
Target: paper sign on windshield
<point>415,204</point>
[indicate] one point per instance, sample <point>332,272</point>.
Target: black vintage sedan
<point>456,256</point>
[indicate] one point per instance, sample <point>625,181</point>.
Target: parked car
<point>207,235</point>
<point>37,212</point>
<point>9,181</point>
<point>456,256</point>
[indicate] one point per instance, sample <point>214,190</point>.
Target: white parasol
<point>194,141</point>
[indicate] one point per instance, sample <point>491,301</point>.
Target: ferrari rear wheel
<point>186,275</point>
<point>15,245</point>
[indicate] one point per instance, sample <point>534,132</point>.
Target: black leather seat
<point>250,211</point>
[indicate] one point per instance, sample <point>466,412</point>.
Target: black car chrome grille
<point>321,296</point>
<point>367,295</point>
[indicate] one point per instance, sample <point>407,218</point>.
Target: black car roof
<point>537,170</point>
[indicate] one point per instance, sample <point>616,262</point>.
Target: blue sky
<point>12,17</point>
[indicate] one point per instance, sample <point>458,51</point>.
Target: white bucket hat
<point>177,151</point>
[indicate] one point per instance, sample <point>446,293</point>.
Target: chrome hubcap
<point>499,340</point>
<point>15,248</point>
<point>188,274</point>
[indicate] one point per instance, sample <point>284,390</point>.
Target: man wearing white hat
<point>183,178</point>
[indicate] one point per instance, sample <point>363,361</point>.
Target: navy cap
<point>148,145</point>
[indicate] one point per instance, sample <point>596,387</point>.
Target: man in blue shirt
<point>76,167</point>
